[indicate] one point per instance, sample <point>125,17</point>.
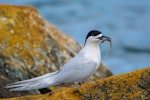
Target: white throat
<point>92,52</point>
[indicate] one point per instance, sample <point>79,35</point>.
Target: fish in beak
<point>105,38</point>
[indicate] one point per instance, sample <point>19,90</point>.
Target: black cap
<point>93,33</point>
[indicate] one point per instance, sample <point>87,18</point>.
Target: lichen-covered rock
<point>130,86</point>
<point>6,93</point>
<point>30,47</point>
<point>31,43</point>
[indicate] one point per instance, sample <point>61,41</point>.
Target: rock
<point>6,93</point>
<point>31,43</point>
<point>101,72</point>
<point>30,47</point>
<point>130,86</point>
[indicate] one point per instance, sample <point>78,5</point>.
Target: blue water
<point>127,22</point>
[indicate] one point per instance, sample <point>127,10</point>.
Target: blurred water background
<point>127,22</point>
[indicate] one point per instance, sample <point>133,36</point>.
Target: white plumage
<point>78,69</point>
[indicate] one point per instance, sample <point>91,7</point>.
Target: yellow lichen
<point>25,35</point>
<point>125,86</point>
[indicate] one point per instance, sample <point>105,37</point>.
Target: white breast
<point>92,52</point>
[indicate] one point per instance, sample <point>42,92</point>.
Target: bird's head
<point>94,36</point>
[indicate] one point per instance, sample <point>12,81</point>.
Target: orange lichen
<point>33,46</point>
<point>26,37</point>
<point>127,86</point>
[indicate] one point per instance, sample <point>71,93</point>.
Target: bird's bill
<point>105,38</point>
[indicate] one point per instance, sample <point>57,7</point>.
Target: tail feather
<point>35,83</point>
<point>33,79</point>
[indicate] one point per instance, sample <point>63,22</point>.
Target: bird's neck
<point>92,51</point>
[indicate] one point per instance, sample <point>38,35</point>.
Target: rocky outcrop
<point>31,44</point>
<point>30,47</point>
<point>130,86</point>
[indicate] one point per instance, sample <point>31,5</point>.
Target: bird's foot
<point>80,83</point>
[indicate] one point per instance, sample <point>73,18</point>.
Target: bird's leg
<point>80,83</point>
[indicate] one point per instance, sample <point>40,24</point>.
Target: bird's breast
<point>93,54</point>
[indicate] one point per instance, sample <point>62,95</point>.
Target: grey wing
<point>76,72</point>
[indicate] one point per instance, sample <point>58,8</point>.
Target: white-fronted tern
<point>78,69</point>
